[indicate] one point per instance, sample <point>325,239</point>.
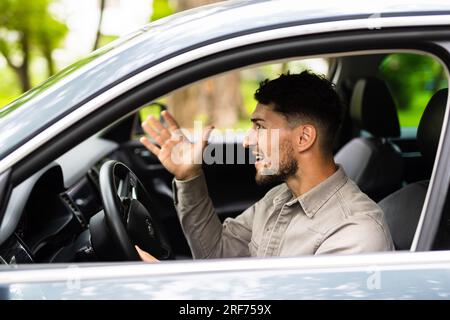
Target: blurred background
<point>40,37</point>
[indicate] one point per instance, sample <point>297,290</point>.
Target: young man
<point>316,210</point>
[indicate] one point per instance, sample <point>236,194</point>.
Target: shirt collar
<point>315,198</point>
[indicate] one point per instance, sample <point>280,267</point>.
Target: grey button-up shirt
<point>333,217</point>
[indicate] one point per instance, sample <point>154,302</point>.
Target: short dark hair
<point>305,97</point>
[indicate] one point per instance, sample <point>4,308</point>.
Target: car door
<point>289,276</point>
<point>378,276</point>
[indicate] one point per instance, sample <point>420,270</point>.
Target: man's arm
<point>207,236</point>
<point>361,235</point>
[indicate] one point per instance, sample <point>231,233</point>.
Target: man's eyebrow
<point>256,119</point>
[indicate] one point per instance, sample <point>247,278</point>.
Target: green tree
<point>25,30</point>
<point>161,9</point>
<point>412,79</point>
<point>217,100</point>
<point>411,76</point>
<point>98,35</point>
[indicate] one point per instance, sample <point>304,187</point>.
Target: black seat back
<point>374,163</point>
<point>402,209</point>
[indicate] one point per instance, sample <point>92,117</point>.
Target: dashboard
<point>47,218</point>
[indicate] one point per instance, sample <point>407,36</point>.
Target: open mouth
<point>260,159</point>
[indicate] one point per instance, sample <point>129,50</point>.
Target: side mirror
<point>154,108</point>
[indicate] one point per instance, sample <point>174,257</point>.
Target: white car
<point>67,145</point>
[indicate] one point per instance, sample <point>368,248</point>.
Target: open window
<point>385,95</point>
<point>363,80</point>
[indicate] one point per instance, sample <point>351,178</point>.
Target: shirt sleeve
<point>206,235</point>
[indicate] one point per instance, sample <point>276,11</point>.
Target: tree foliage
<point>412,79</point>
<point>412,73</point>
<point>161,9</point>
<point>28,29</point>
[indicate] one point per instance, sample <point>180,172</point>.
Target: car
<point>68,150</point>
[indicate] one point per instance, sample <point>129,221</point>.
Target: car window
<point>412,80</point>
<point>226,101</point>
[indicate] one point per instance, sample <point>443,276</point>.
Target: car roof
<point>72,87</point>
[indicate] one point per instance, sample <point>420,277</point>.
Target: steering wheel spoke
<point>128,218</point>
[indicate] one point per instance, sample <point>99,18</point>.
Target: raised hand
<point>176,153</point>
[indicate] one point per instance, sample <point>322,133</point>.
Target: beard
<point>287,168</point>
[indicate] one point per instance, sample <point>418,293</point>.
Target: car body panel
<point>377,276</point>
<point>161,46</point>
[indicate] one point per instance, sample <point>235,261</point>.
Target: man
<point>316,210</point>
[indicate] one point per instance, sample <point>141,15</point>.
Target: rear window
<point>412,79</point>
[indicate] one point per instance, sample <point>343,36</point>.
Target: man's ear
<point>306,136</point>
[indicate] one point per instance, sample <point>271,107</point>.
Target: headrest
<point>429,129</point>
<point>373,108</point>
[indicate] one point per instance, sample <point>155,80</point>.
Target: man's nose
<point>250,138</point>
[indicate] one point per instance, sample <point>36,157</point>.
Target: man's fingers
<point>206,133</point>
<point>163,132</point>
<point>150,146</point>
<point>171,122</point>
<point>145,256</point>
<point>174,128</point>
<point>155,135</point>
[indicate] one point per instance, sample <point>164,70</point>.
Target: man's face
<point>271,141</point>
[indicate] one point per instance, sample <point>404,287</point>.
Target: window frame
<point>344,42</point>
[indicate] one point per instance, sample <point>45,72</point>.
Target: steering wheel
<point>128,218</point>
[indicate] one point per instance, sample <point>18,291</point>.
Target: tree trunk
<point>23,71</point>
<point>24,78</point>
<point>20,70</point>
<point>216,101</point>
<point>47,52</point>
<point>99,26</point>
<point>227,100</point>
